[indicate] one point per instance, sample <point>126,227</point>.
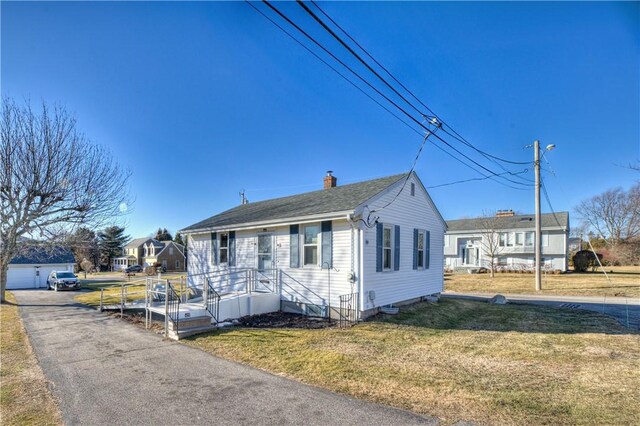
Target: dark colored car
<point>62,280</point>
<point>134,268</point>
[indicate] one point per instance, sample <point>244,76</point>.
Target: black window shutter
<point>294,246</point>
<point>427,248</point>
<point>327,243</point>
<point>396,248</point>
<point>379,247</point>
<point>232,248</point>
<point>214,248</point>
<point>415,248</point>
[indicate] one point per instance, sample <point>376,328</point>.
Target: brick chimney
<point>505,213</point>
<point>330,180</point>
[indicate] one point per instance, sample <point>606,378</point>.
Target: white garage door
<point>21,277</point>
<point>24,276</point>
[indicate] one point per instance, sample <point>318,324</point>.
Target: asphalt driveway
<point>107,371</point>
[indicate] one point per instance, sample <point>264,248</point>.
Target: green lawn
<point>25,398</point>
<point>625,281</point>
<point>462,360</point>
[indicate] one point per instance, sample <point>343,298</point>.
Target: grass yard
<point>24,395</point>
<point>135,289</point>
<point>625,282</point>
<point>461,360</point>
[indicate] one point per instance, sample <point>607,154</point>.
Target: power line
<point>467,180</point>
<point>283,16</point>
<point>457,136</point>
<point>373,99</point>
<point>331,67</point>
<point>546,196</point>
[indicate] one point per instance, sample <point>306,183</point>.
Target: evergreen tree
<point>111,242</point>
<point>163,235</point>
<point>178,239</point>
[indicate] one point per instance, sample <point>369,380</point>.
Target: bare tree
<point>614,214</point>
<point>86,266</point>
<point>490,228</point>
<point>52,180</point>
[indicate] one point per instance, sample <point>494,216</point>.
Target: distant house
<point>515,241</point>
<point>148,252</point>
<point>31,268</point>
<point>320,245</point>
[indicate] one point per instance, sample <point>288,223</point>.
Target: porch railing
<point>212,301</point>
<point>171,309</point>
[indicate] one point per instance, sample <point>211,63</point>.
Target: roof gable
<point>324,201</point>
<point>136,243</point>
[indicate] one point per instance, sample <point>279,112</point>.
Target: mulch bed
<point>285,320</point>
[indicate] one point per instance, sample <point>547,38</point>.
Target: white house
<point>31,268</point>
<point>324,244</point>
<point>466,244</point>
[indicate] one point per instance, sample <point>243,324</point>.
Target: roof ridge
<point>339,198</point>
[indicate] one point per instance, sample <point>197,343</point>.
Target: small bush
<point>584,260</point>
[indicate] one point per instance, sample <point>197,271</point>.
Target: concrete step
<point>185,323</point>
<point>185,332</point>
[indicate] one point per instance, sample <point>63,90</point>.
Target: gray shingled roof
<point>339,198</point>
<point>138,242</point>
<point>44,255</point>
<point>549,220</point>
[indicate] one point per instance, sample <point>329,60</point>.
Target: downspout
<point>355,257</point>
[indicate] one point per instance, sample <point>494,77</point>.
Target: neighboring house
<point>148,251</point>
<point>31,268</point>
<point>575,244</point>
<point>166,253</point>
<point>318,246</point>
<point>466,241</point>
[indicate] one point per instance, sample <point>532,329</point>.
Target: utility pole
<point>536,164</point>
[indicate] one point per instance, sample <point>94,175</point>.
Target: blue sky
<point>201,100</point>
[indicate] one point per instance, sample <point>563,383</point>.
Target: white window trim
<point>318,245</point>
<point>390,227</point>
<point>521,244</point>
<point>533,238</point>
<point>220,248</point>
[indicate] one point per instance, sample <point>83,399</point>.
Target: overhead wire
<point>375,100</point>
<point>455,134</point>
<point>313,40</point>
<point>332,68</point>
<point>465,180</point>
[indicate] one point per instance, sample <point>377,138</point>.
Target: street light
<point>536,163</point>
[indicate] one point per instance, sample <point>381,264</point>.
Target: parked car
<point>133,268</point>
<point>62,280</point>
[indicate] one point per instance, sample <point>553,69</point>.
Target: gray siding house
<point>466,245</point>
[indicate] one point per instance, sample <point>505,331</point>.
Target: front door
<point>265,252</point>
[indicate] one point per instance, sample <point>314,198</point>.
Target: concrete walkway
<point>621,308</point>
<point>107,371</point>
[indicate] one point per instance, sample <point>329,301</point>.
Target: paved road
<point>106,371</point>
<point>621,308</point>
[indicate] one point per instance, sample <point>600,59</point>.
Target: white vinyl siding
<point>311,283</point>
<point>409,212</point>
